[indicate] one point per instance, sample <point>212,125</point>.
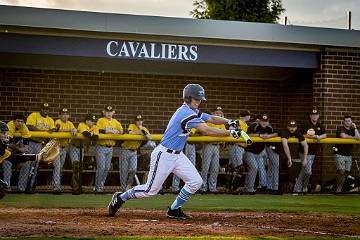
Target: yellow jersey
<point>84,127</point>
<point>220,126</point>
<point>42,123</point>
<point>24,131</point>
<point>103,123</point>
<point>133,145</point>
<point>64,127</point>
<point>244,127</point>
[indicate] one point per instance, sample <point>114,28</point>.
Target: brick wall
<point>154,96</point>
<point>337,90</point>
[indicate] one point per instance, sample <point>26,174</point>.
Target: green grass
<point>348,204</point>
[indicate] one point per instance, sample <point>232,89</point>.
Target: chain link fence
<point>225,168</point>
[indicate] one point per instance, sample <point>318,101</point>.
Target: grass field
<point>346,204</point>
<point>322,205</point>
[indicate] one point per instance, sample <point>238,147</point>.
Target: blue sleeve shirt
<point>180,125</point>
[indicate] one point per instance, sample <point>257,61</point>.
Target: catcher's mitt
<point>50,151</point>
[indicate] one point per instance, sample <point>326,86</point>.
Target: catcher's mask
<point>193,91</point>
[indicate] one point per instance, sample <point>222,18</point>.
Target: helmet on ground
<point>194,91</point>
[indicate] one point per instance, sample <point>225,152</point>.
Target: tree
<point>267,11</point>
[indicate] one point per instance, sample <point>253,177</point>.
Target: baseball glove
<point>50,151</point>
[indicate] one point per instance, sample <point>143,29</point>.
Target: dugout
<point>85,60</point>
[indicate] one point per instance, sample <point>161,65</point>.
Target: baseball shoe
<point>115,204</point>
<point>177,214</point>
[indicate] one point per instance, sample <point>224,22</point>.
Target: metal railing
<point>93,171</point>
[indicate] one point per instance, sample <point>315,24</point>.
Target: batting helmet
<point>195,91</point>
<point>3,127</point>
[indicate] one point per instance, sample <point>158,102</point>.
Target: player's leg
<point>307,172</point>
<point>58,163</point>
<point>132,168</point>
<point>100,155</point>
<point>161,165</point>
<point>261,159</point>
<point>108,160</point>
<point>26,166</point>
<point>300,179</point>
<point>251,162</point>
<point>205,165</point>
<point>123,169</point>
<point>75,163</point>
<point>7,172</point>
<point>193,181</point>
<point>273,169</point>
<point>214,168</point>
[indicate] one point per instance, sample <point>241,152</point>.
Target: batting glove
<point>235,133</point>
<point>233,123</point>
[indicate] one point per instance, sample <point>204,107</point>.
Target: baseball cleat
<point>115,204</point>
<point>177,214</point>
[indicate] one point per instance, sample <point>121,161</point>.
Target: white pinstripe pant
<point>256,164</point>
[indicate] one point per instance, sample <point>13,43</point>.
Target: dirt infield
<point>130,222</point>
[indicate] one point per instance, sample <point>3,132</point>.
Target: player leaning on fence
<point>36,121</point>
<point>343,158</point>
<point>17,145</point>
<point>315,130</point>
<point>128,156</point>
<point>168,157</point>
<point>63,124</point>
<point>104,148</point>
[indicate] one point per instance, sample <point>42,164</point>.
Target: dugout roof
<point>62,39</point>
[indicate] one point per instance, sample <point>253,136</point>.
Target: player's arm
<point>209,131</point>
<point>285,144</point>
<point>305,153</point>
<point>217,120</point>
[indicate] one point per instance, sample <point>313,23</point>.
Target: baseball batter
<point>168,157</point>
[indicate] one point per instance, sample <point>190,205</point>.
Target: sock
<point>128,195</point>
<point>180,199</point>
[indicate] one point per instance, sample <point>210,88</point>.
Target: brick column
<point>336,90</point>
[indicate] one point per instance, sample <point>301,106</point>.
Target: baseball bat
<point>246,137</point>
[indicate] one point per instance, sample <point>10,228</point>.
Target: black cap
<point>138,118</point>
<point>264,118</point>
<point>19,116</point>
<point>244,113</point>
<point>218,108</point>
<point>314,111</point>
<point>64,110</point>
<point>348,115</point>
<point>109,108</point>
<point>292,123</point>
<point>90,118</point>
<point>45,106</point>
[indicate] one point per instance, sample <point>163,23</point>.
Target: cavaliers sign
<point>166,51</point>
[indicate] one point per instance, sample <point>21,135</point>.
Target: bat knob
<point>249,142</point>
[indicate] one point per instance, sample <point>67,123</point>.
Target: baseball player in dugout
<point>293,131</point>
<point>36,121</point>
<point>104,148</point>
<point>236,150</point>
<point>17,145</point>
<point>211,158</point>
<point>315,130</point>
<point>343,152</point>
<point>128,158</point>
<point>64,125</point>
<point>255,155</point>
<point>168,157</point>
<point>12,153</point>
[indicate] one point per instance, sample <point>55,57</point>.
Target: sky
<point>316,13</point>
